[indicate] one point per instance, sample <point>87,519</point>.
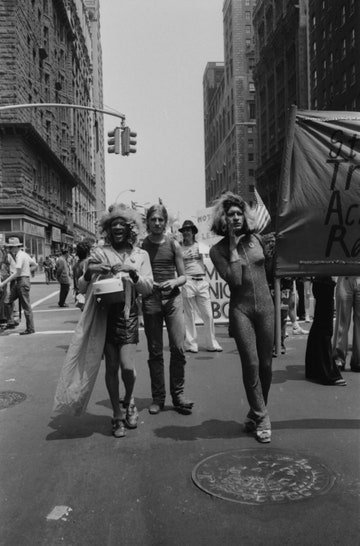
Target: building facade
<point>229,107</point>
<point>281,80</point>
<point>49,155</point>
<point>334,45</point>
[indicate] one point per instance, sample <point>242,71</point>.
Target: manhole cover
<point>10,398</point>
<point>259,476</point>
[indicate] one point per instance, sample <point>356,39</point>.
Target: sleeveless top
<point>162,259</point>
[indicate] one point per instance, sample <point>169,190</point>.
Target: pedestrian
<point>347,298</point>
<point>20,288</point>
<point>196,292</point>
<point>239,259</point>
<point>165,304</point>
<point>63,277</point>
<point>320,363</point>
<point>111,329</point>
<point>47,269</point>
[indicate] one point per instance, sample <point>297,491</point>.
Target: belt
<point>23,277</point>
<point>198,278</point>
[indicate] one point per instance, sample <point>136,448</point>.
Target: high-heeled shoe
<point>339,383</point>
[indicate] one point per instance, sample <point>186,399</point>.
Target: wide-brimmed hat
<point>13,241</point>
<point>188,224</point>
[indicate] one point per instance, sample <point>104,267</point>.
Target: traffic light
<point>128,141</point>
<point>114,141</point>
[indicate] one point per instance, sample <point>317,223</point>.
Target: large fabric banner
<point>318,217</point>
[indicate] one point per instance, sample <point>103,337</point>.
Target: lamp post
<point>124,191</point>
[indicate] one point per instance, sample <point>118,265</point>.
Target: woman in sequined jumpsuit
<point>239,259</point>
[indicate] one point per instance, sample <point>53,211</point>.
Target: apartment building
<point>229,107</point>
<point>50,159</point>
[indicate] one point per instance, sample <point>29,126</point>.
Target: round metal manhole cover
<point>260,476</point>
<point>10,398</point>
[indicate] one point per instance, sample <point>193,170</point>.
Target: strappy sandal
<point>263,436</point>
<point>118,428</point>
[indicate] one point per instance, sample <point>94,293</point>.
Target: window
<point>343,48</point>
<point>343,15</point>
<point>331,61</point>
<point>250,156</point>
<point>353,75</point>
<point>315,78</point>
<point>314,48</point>
<point>247,16</point>
<point>247,29</point>
<point>324,69</point>
<point>344,82</point>
<point>352,38</point>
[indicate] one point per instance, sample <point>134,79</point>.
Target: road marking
<point>59,512</point>
<point>39,302</point>
<point>55,309</point>
<point>48,332</point>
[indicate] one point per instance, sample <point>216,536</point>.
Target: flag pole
<point>283,196</point>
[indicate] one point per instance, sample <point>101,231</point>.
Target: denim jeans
<point>170,310</point>
<point>21,290</point>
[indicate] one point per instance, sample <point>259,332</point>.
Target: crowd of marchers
<point>163,280</point>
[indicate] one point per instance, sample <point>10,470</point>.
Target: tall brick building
<point>334,45</point>
<point>51,159</point>
<point>229,107</point>
<point>281,79</point>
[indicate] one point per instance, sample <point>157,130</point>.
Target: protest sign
<point>318,215</point>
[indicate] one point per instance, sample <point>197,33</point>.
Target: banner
<point>318,217</point>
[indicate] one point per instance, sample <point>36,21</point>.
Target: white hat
<point>13,241</point>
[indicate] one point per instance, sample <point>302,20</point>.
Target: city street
<point>68,481</point>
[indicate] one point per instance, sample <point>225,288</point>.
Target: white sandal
<point>263,436</point>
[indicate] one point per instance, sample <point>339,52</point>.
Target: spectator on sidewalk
<point>347,297</point>
<point>63,277</point>
<point>20,289</point>
<point>239,259</point>
<point>196,292</point>
<point>48,269</point>
<point>165,303</point>
<point>320,364</point>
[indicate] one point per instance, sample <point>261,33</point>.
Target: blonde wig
<point>227,200</point>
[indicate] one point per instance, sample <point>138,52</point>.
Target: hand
<point>125,268</point>
<point>168,285</point>
<point>100,269</point>
<point>234,238</point>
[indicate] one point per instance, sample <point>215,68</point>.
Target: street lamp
<point>123,191</point>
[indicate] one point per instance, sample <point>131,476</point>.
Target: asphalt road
<point>67,481</point>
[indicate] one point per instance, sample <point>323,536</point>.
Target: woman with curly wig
<point>240,261</point>
<point>118,257</point>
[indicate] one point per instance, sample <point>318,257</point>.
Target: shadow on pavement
<point>215,428</point>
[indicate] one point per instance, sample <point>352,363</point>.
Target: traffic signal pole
<point>61,105</point>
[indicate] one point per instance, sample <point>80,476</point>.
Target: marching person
<point>196,292</point>
<point>239,259</point>
<point>111,329</point>
<point>20,289</point>
<point>165,303</point>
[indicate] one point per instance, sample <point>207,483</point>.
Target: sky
<point>154,57</point>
